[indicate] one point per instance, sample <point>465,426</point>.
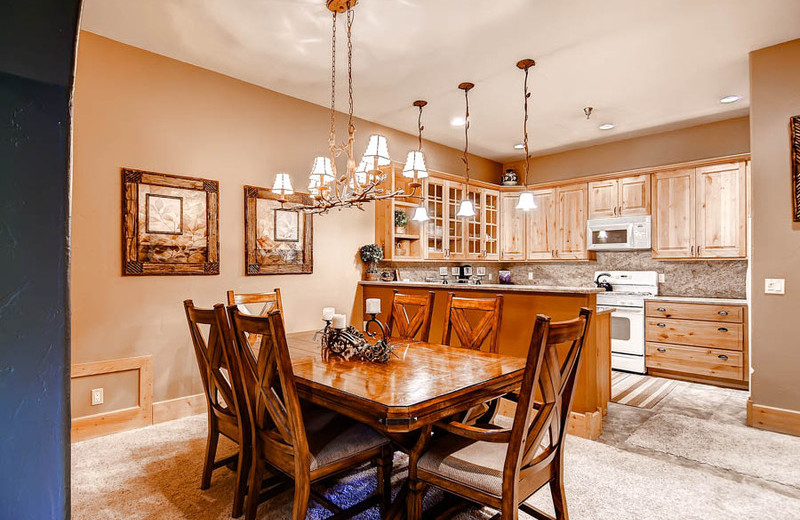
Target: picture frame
<point>277,240</point>
<point>170,224</point>
<point>794,126</point>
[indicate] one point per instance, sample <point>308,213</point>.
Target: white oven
<point>619,233</point>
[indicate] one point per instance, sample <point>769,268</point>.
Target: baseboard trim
<point>773,419</point>
<point>178,408</point>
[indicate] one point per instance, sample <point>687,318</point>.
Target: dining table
<point>421,383</point>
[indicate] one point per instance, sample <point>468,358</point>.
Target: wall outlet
<point>490,276</point>
<point>97,396</point>
<point>662,278</point>
<point>530,275</point>
<point>774,286</point>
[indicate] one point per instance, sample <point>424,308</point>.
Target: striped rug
<point>638,390</point>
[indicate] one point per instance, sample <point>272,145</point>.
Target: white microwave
<point>619,233</point>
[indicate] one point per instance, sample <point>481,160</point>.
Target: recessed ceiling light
<point>730,99</point>
<point>519,146</point>
<point>606,126</point>
<point>457,121</point>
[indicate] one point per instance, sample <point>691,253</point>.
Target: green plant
<point>371,254</point>
<point>400,218</point>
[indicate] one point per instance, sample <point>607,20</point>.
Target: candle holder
<point>383,329</point>
<point>350,343</point>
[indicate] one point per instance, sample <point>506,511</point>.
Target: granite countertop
<point>555,289</point>
<point>695,299</point>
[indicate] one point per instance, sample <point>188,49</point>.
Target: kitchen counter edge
<point>550,289</point>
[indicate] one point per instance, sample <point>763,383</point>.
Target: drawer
<point>727,336</point>
<point>695,311</point>
<point>695,360</point>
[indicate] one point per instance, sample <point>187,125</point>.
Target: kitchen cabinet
<point>622,197</point>
<point>444,231</point>
<point>542,226</point>
<point>512,228</point>
<point>700,212</point>
<point>571,210</point>
<point>482,230</point>
<point>398,244</point>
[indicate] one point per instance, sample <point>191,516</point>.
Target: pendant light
<point>526,201</point>
<point>415,166</point>
<point>466,209</point>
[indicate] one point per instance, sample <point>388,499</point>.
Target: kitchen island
<point>521,304</point>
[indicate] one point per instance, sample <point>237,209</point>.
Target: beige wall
<point>140,110</point>
<point>719,139</point>
<point>775,96</point>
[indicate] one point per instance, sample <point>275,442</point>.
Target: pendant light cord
<point>420,128</point>
<point>525,129</point>
<point>466,141</point>
<point>332,135</point>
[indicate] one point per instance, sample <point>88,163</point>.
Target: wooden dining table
<point>421,383</point>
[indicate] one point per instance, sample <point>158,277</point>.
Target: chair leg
<point>254,480</point>
<point>384,463</point>
<point>302,491</point>
<point>559,497</point>
<point>211,451</point>
<point>242,473</point>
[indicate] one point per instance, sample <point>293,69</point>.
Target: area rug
<point>153,474</point>
<point>640,391</point>
<point>756,453</point>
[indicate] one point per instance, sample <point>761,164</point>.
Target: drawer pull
<point>661,324</point>
<point>722,329</point>
<point>723,313</point>
<point>722,356</point>
<point>661,349</point>
<point>661,309</point>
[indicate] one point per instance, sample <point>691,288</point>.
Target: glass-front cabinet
<point>436,204</point>
<point>490,233</point>
<point>455,226</point>
<point>475,226</point>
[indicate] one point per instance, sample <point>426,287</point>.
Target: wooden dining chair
<point>408,328</point>
<point>306,445</point>
<point>473,336</point>
<point>271,301</point>
<point>227,413</point>
<point>503,467</point>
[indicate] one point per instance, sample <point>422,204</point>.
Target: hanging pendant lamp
<point>466,209</point>
<point>526,201</point>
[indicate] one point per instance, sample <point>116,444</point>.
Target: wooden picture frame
<point>149,246</point>
<point>794,124</point>
<point>264,253</point>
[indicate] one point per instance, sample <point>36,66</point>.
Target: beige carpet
<point>153,474</point>
<point>640,391</point>
<point>757,453</point>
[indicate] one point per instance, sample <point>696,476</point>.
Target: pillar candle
<point>327,313</point>
<point>373,306</point>
<point>339,321</point>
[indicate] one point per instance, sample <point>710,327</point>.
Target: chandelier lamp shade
<point>361,182</point>
<point>526,199</point>
<point>466,209</point>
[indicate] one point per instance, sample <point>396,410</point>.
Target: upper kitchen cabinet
<point>700,213</point>
<point>571,210</point>
<point>482,229</point>
<point>512,228</point>
<point>626,196</point>
<point>399,242</point>
<point>542,236</point>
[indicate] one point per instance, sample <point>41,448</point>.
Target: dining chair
<point>503,467</point>
<point>484,330</point>
<point>225,407</point>
<point>271,300</point>
<point>307,445</point>
<point>419,323</point>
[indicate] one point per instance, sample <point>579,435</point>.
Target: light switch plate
<point>775,286</point>
<point>530,275</point>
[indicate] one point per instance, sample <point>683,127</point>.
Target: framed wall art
<point>276,240</point>
<point>169,224</point>
<point>794,124</point>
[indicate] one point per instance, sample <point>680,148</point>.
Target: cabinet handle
<point>661,349</point>
<point>692,253</point>
<point>722,356</point>
<point>723,313</point>
<point>661,324</point>
<point>661,309</point>
<point>722,329</point>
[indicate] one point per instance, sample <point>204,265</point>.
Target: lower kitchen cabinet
<point>702,342</point>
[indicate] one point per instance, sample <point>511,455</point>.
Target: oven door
<point>627,330</point>
<point>610,237</point>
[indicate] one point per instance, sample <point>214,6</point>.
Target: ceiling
<point>642,65</point>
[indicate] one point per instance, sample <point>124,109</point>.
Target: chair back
<point>419,323</point>
<point>213,359</point>
<point>473,333</point>
<point>271,301</point>
<point>268,384</point>
<point>555,381</point>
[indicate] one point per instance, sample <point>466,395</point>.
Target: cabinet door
<point>512,229</point>
<point>435,226</point>
<point>491,225</point>
<point>571,209</point>
<point>721,211</point>
<point>474,227</point>
<point>674,214</point>
<point>455,227</point>
<point>634,195</point>
<point>603,199</point>
<point>542,226</point>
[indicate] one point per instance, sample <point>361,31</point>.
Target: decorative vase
<point>372,277</point>
<point>509,178</point>
<point>400,230</point>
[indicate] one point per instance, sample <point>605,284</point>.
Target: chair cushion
<point>333,437</point>
<point>476,464</point>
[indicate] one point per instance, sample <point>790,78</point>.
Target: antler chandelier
<point>328,189</point>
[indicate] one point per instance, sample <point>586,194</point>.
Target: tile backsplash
<point>701,278</point>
